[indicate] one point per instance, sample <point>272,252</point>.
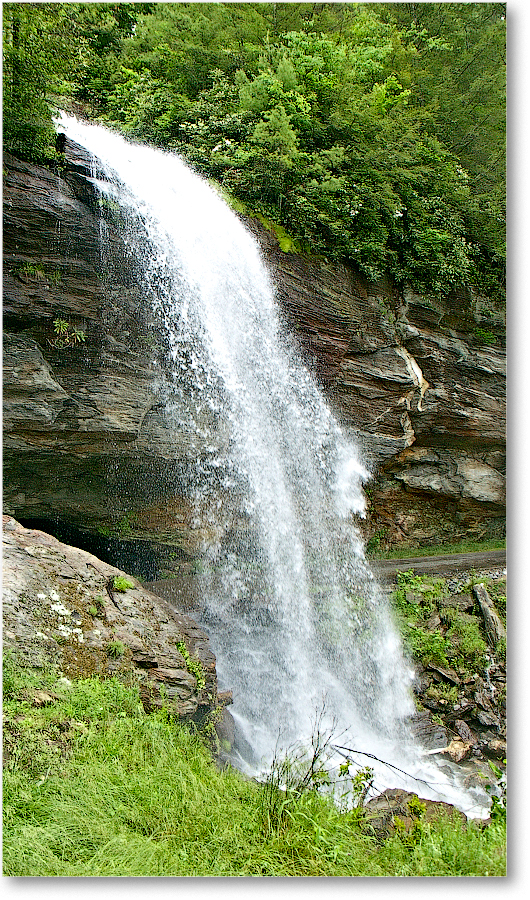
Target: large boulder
<point>64,606</point>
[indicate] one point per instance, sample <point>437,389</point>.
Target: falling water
<point>295,617</point>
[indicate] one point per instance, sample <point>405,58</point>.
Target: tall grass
<point>95,787</point>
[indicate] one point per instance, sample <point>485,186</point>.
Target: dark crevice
<point>138,558</point>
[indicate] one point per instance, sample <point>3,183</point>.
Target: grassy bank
<point>440,549</point>
<point>95,787</point>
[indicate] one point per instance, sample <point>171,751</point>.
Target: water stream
<point>296,619</point>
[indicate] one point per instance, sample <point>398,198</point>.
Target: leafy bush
<point>300,115</point>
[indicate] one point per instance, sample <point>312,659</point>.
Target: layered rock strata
<point>420,384</point>
<point>86,438</point>
<point>88,442</point>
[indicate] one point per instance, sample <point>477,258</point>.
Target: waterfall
<point>297,621</point>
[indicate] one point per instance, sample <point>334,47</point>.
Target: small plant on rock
<point>442,693</point>
<point>115,649</point>
<point>121,584</point>
<point>67,335</point>
<point>416,807</point>
<point>29,270</point>
<point>193,665</point>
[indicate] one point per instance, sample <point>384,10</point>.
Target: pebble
<point>457,582</point>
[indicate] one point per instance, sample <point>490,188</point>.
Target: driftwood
<point>495,630</point>
<point>457,750</point>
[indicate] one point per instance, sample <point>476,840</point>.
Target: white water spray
<point>295,617</point>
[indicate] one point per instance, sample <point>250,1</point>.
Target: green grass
<point>95,787</point>
<point>441,549</point>
<point>470,648</point>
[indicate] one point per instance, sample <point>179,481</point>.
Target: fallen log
<point>495,630</point>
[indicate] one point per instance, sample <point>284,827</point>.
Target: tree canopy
<point>372,134</point>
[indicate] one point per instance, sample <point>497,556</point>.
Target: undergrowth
<point>414,602</point>
<point>460,641</point>
<point>93,786</point>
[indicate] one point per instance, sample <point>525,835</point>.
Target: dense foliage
<point>93,786</point>
<point>368,133</point>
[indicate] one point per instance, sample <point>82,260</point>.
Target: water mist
<point>298,624</point>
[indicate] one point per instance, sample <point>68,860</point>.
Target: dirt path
<point>440,565</point>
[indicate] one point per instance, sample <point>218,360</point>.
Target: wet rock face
<point>86,436</point>
<point>421,385</point>
<point>63,605</point>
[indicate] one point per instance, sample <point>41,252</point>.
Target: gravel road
<point>385,569</point>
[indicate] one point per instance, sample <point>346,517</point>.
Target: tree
<point>27,122</point>
<point>458,72</point>
<point>372,133</point>
<point>48,47</point>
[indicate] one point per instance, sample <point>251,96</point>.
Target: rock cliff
<point>88,447</point>
<point>420,383</point>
